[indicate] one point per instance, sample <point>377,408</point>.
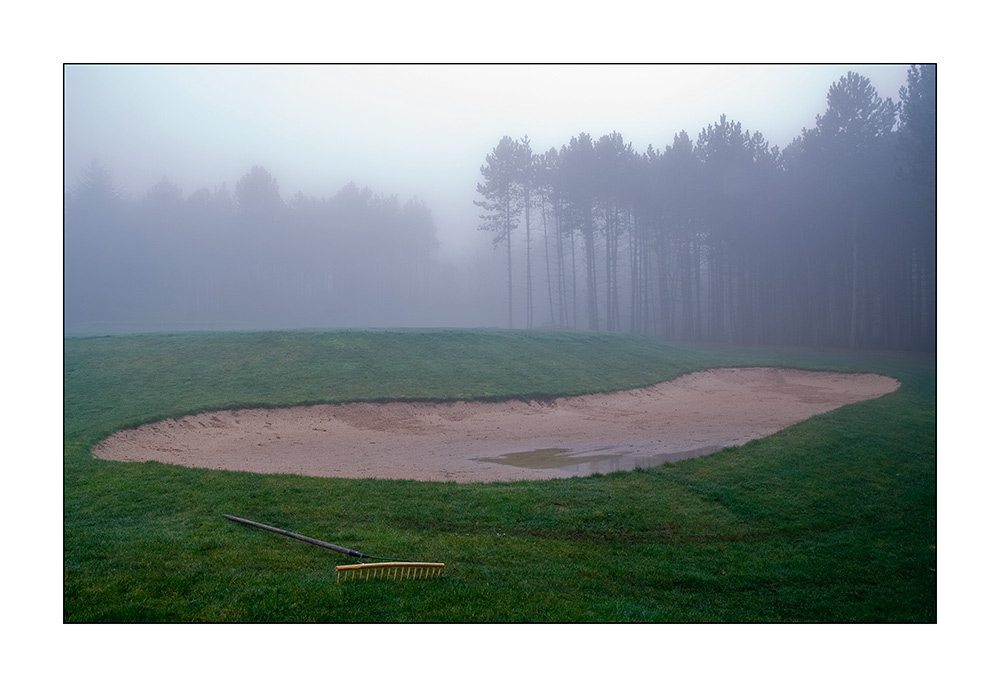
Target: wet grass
<point>832,520</point>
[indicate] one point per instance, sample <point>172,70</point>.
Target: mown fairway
<point>831,520</point>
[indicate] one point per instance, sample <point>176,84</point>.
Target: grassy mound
<point>831,520</point>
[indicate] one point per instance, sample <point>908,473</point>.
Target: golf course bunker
<point>465,441</point>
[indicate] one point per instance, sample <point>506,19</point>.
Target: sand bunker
<point>486,442</point>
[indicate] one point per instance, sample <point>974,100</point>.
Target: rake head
<point>390,571</point>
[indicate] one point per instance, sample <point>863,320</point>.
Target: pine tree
<point>502,201</point>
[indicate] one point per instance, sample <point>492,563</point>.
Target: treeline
<point>245,258</point>
<point>829,242</point>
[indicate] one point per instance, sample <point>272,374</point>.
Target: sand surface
<point>514,440</point>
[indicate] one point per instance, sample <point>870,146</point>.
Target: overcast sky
<point>409,130</point>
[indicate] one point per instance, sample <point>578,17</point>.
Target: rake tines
<point>390,571</point>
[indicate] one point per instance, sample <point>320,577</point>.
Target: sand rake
<point>388,570</point>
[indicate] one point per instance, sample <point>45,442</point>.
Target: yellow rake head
<point>390,571</point>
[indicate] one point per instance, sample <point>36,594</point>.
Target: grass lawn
<point>832,520</point>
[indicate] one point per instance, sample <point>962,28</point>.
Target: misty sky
<point>406,129</point>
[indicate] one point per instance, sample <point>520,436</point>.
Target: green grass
<point>832,520</point>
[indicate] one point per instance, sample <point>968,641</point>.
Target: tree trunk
<point>572,276</point>
<point>510,277</point>
<point>561,270</point>
<point>527,236</point>
<point>853,339</point>
<point>593,320</point>
<point>548,264</point>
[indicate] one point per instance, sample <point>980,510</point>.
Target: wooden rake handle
<point>293,535</point>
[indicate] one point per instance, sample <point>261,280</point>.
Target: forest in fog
<point>719,237</point>
<point>247,259</point>
<point>829,242</point>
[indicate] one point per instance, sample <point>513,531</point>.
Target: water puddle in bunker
<point>590,463</point>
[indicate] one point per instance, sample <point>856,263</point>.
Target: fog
<point>365,180</point>
<point>408,130</point>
